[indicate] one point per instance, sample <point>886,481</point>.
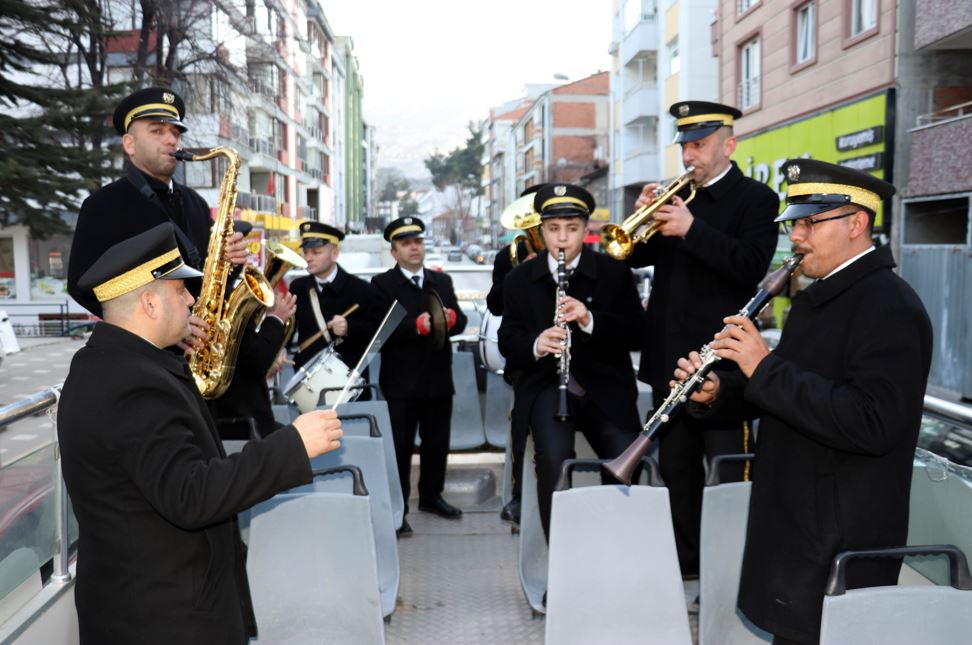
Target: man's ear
<point>730,145</point>
<point>148,303</point>
<point>861,220</point>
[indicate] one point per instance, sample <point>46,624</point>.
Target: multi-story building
<point>661,54</point>
<point>499,153</point>
<point>355,181</point>
<point>563,135</point>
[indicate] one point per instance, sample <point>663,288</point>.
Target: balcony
<point>640,106</point>
<point>937,149</point>
<point>254,201</point>
<point>943,24</point>
<point>640,168</point>
<point>640,41</point>
<point>306,212</point>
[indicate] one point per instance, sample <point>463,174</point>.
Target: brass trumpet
<point>520,216</point>
<point>618,240</point>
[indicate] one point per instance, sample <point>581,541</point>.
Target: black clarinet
<point>624,466</point>
<point>563,367</point>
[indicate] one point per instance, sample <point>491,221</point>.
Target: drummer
<point>416,364</point>
<point>333,306</point>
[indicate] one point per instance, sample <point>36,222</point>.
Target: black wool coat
<point>160,559</point>
<point>502,265</point>
<point>247,394</point>
<point>840,402</point>
<point>123,209</point>
<point>410,367</point>
<point>708,275</point>
<point>600,362</point>
<point>343,292</point>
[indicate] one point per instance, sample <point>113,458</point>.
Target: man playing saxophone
<point>605,320</point>
<point>150,123</point>
<point>707,258</point>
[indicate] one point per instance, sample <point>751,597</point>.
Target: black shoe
<point>511,512</point>
<point>405,530</point>
<point>441,508</point>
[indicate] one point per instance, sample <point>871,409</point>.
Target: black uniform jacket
<point>840,401</point>
<point>160,558</point>
<point>502,265</point>
<point>125,208</point>
<point>410,368</point>
<point>708,275</point>
<point>600,362</point>
<point>247,394</point>
<point>336,298</point>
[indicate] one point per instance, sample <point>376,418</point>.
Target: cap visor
<point>312,243</point>
<point>182,273</point>
<point>685,136</point>
<point>405,236</point>
<point>799,211</point>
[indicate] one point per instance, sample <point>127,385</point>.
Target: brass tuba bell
<point>520,216</point>
<point>618,240</point>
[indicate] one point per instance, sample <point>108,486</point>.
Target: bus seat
<point>379,410</point>
<point>499,400</point>
<point>897,615</point>
<point>324,541</point>
<point>613,568</point>
<point>368,455</point>
<point>725,512</point>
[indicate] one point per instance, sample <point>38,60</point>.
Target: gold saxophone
<point>226,312</point>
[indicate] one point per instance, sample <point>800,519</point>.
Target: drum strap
<point>315,303</point>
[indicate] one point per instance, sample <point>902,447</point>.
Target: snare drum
<point>489,352</point>
<point>325,370</point>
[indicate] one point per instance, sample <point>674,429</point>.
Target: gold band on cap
<point>323,236</point>
<point>859,196</point>
<point>165,107</point>
<point>411,228</point>
<point>701,118</point>
<point>134,278</point>
<point>553,201</point>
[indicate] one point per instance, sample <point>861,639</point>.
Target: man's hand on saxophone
<point>236,249</point>
<point>197,338</point>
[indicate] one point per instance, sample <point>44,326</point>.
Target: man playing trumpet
<point>707,257</point>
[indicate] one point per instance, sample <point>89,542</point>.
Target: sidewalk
<point>40,363</point>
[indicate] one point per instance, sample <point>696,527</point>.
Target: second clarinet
<point>563,367</point>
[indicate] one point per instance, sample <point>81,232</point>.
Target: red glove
<point>423,324</point>
<point>450,318</point>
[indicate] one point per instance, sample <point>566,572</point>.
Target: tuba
<point>619,240</point>
<point>225,311</point>
<point>520,216</point>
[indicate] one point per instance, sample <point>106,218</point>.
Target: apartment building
<point>661,54</point>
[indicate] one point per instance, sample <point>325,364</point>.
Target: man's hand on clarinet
<point>549,341</point>
<point>320,430</point>
<point>573,310</point>
<point>236,249</point>
<point>741,343</point>
<point>710,386</point>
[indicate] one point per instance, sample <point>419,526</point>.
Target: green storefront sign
<point>854,135</point>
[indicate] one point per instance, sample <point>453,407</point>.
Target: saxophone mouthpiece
<point>182,155</point>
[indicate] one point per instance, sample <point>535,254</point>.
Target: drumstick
<point>313,339</point>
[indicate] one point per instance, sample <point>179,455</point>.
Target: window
<point>749,74</point>
<point>742,6</point>
<point>674,63</point>
<point>806,33</point>
<point>863,16</point>
<point>8,283</point>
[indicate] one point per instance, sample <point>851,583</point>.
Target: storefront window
<point>48,267</point>
<point>8,286</point>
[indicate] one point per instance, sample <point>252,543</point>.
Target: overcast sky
<point>432,66</point>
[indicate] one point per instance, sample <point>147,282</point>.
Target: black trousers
<point>554,442</point>
<point>519,428</point>
<point>682,447</point>
<point>431,418</point>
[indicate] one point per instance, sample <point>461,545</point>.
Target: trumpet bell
<point>616,242</point>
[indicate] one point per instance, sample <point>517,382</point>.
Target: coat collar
<point>587,265</point>
<point>822,291</point>
<point>113,338</point>
<point>725,185</point>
